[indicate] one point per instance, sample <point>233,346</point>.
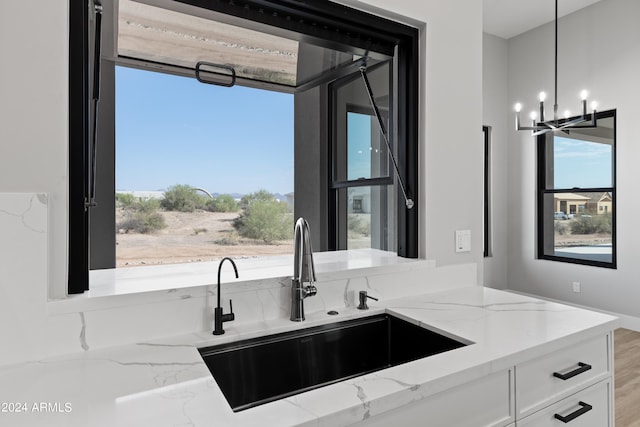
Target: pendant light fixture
<point>541,126</point>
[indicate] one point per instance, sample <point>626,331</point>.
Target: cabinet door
<point>588,408</point>
<point>486,402</point>
<point>550,378</point>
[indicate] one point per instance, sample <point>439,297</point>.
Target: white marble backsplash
<point>23,274</point>
<point>33,327</point>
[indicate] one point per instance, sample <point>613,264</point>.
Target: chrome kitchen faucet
<point>303,270</point>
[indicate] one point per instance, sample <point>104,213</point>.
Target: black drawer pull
<point>582,367</point>
<point>585,407</point>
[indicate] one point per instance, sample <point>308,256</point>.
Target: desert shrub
<point>592,224</point>
<point>358,226</point>
<point>264,218</point>
<point>147,205</point>
<point>232,239</point>
<point>182,198</point>
<point>583,225</point>
<point>260,195</point>
<point>142,222</point>
<point>560,228</point>
<point>227,241</point>
<point>130,202</point>
<point>125,200</point>
<point>222,203</point>
<point>140,214</point>
<point>603,223</point>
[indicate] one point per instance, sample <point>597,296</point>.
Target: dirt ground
<point>191,237</point>
<point>209,236</point>
<point>569,240</point>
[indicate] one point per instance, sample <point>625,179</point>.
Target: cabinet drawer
<point>555,376</point>
<point>588,408</point>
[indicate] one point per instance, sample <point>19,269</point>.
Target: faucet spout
<point>303,266</point>
<point>303,270</point>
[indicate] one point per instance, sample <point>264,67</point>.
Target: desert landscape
<point>565,237</point>
<point>191,237</point>
<point>207,236</point>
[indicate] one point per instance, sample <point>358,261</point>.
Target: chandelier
<point>541,126</point>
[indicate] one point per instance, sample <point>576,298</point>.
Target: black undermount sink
<point>260,370</point>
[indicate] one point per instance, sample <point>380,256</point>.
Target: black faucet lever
<point>219,316</point>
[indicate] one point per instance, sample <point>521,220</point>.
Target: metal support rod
<point>555,89</point>
<point>363,72</point>
<point>90,201</point>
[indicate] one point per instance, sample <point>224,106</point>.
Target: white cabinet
<point>571,386</point>
<point>550,378</point>
<point>487,402</point>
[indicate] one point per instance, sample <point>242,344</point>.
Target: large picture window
<point>210,112</point>
<point>577,194</point>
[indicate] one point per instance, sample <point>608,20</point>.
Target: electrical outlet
<point>576,286</point>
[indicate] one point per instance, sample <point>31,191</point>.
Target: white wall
<point>33,111</point>
<point>599,49</point>
<point>452,159</point>
<point>495,101</point>
<point>33,137</point>
<point>451,155</point>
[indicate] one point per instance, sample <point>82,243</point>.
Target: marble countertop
<point>166,383</point>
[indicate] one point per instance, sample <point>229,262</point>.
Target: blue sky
<point>175,130</point>
<point>358,152</point>
<point>581,163</point>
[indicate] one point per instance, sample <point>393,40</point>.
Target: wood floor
<point>627,377</point>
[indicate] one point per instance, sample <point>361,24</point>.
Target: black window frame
<point>327,21</point>
<point>79,116</point>
<point>542,190</point>
<point>486,137</point>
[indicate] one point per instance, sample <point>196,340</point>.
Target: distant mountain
<point>238,196</point>
<point>153,194</point>
<point>159,194</point>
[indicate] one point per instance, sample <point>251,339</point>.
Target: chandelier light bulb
<point>594,105</point>
<point>542,96</point>
<point>518,107</point>
<point>567,114</point>
<point>533,115</point>
<point>583,95</point>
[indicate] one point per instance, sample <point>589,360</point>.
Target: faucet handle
<point>229,316</point>
<point>220,318</point>
<point>309,291</point>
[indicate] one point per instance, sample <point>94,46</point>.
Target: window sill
<point>141,285</point>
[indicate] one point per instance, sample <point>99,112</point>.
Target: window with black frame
<point>362,183</point>
<point>577,194</point>
<point>271,66</point>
